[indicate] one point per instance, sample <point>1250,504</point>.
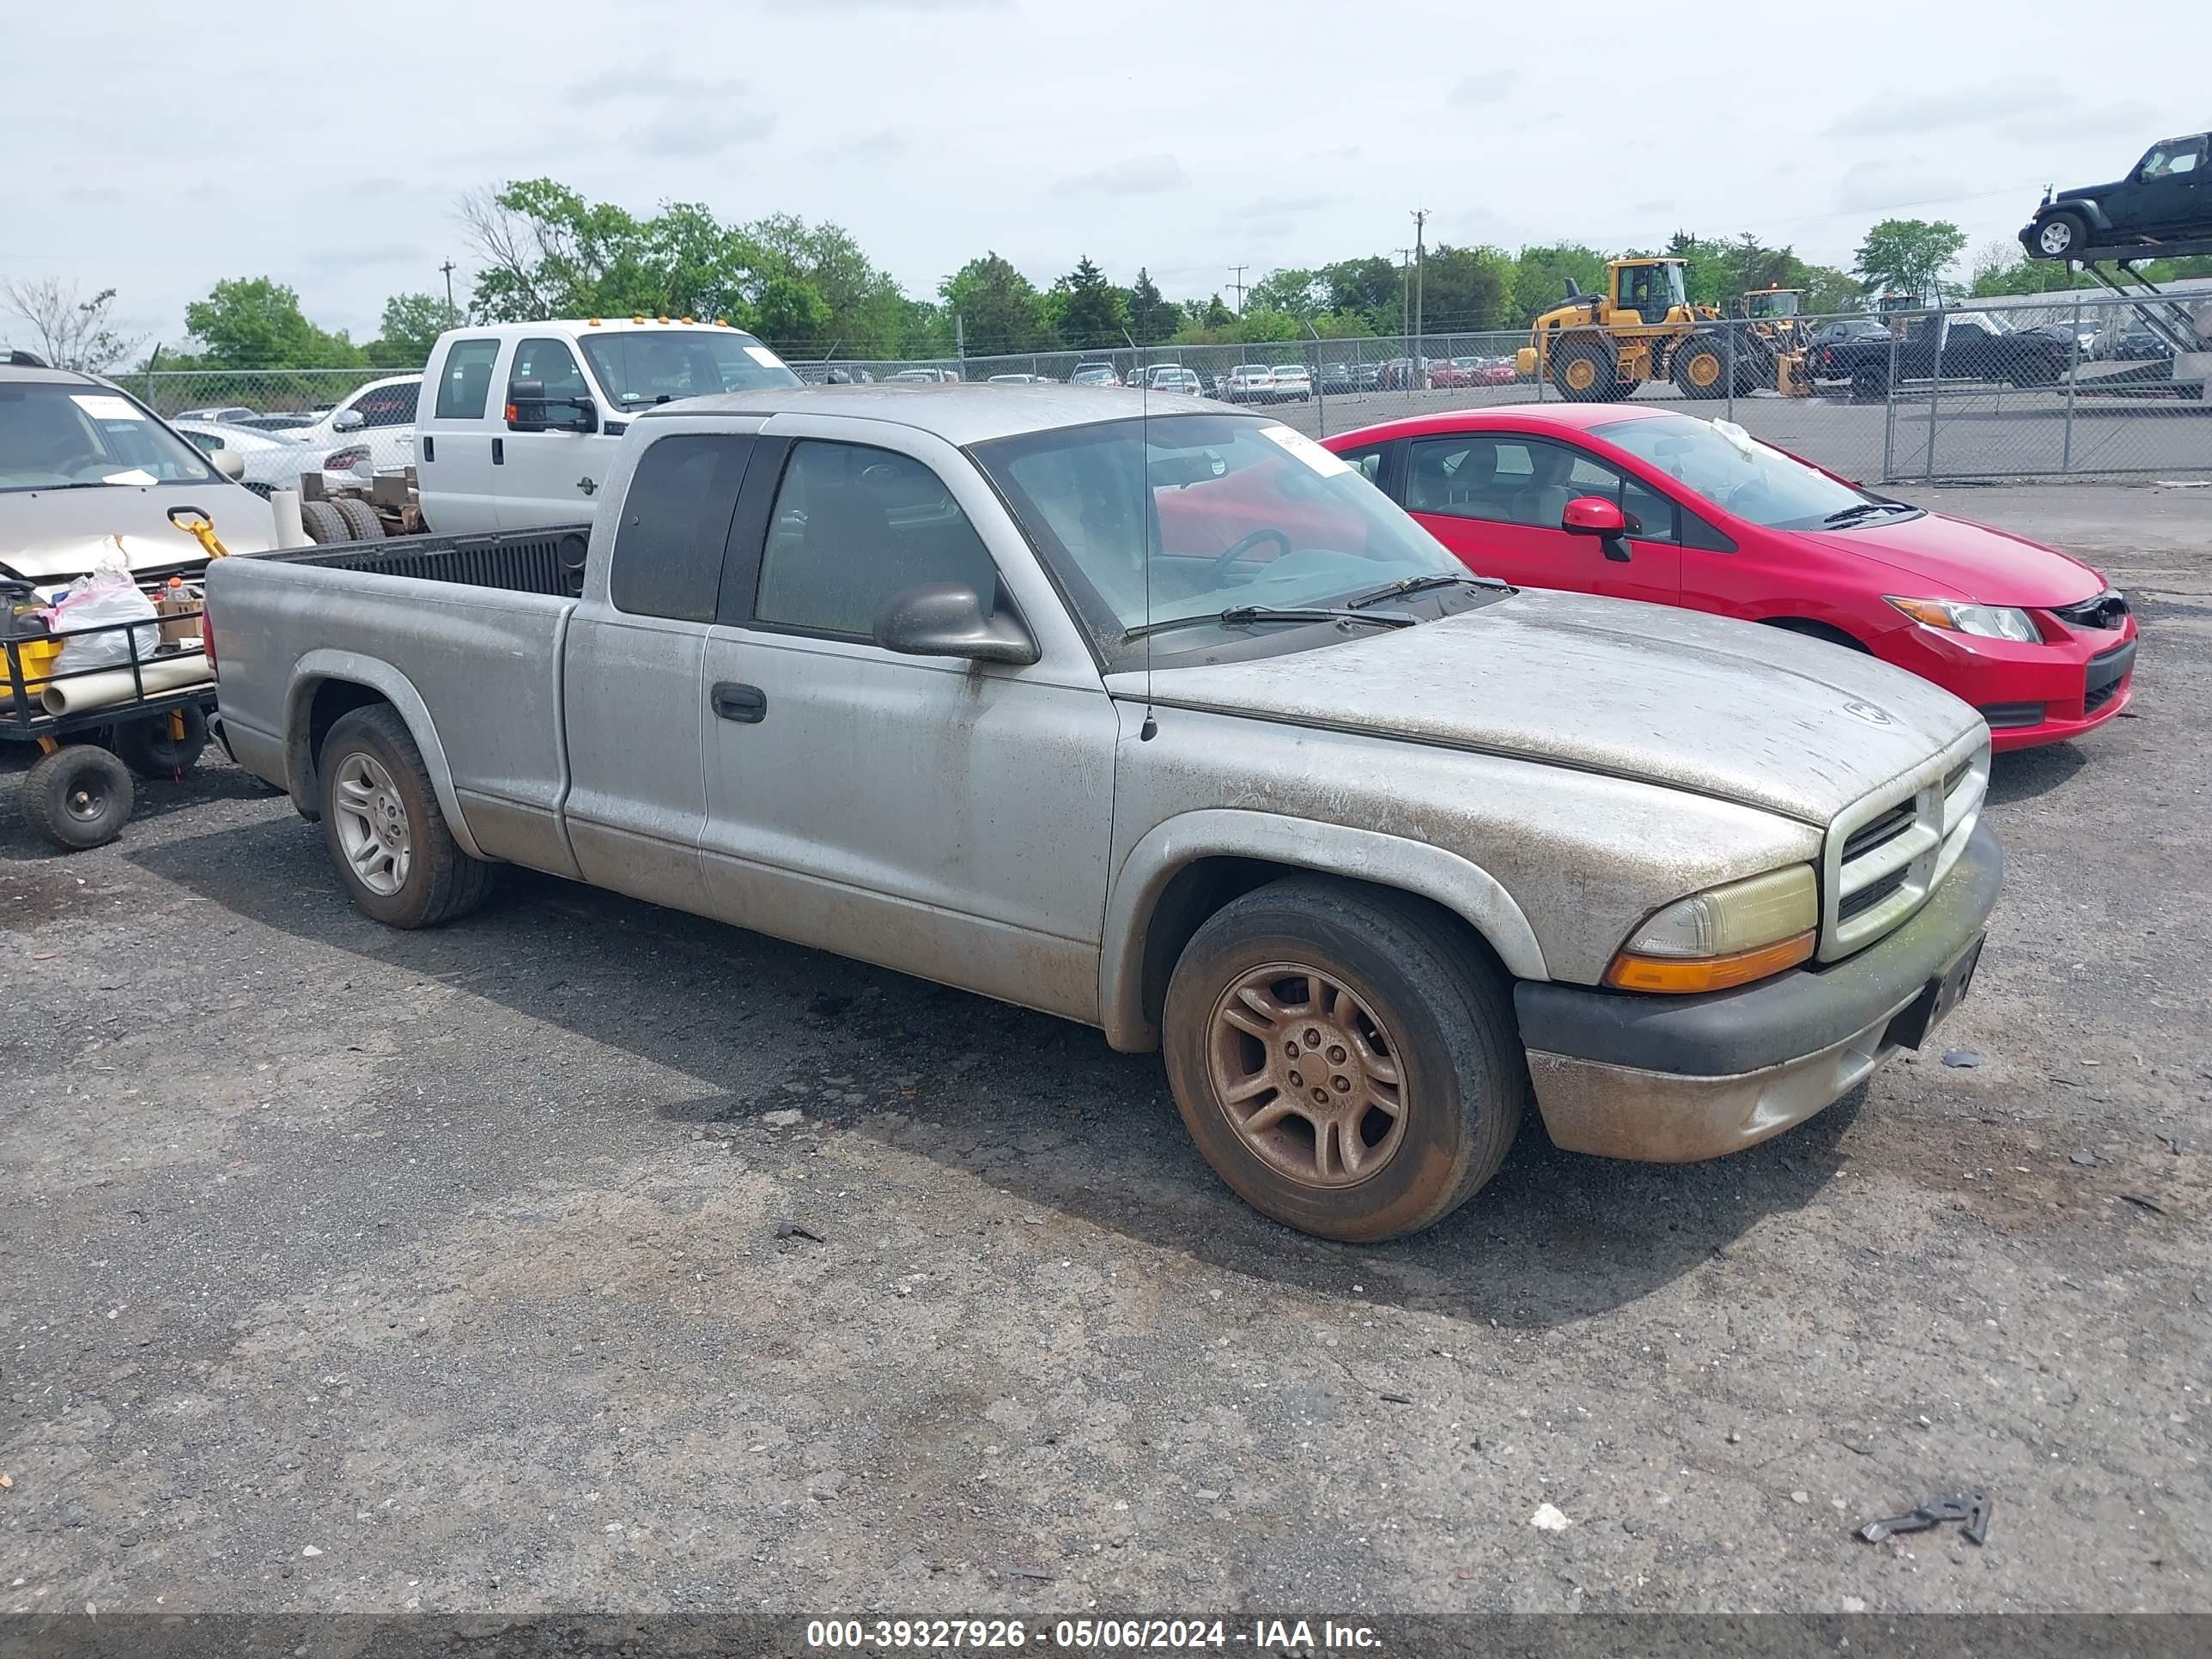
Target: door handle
<point>745,704</point>
<point>499,452</point>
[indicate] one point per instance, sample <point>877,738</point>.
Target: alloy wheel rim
<point>372,825</point>
<point>2056,238</point>
<point>1307,1075</point>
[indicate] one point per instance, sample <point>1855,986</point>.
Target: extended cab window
<point>853,528</point>
<point>675,525</point>
<point>465,388</point>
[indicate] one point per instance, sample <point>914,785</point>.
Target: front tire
<point>1583,372</point>
<point>1344,1057</point>
<point>79,796</point>
<point>2060,235</point>
<point>1701,368</point>
<point>386,834</point>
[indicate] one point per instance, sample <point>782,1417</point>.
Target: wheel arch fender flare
<point>319,668</point>
<point>1444,877</point>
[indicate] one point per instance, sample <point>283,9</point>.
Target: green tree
<point>1298,292</point>
<point>1909,255</point>
<point>1540,275</point>
<point>412,325</point>
<point>547,252</point>
<point>1093,313</point>
<point>1373,287</point>
<point>867,308</point>
<point>1000,309</point>
<point>792,314</point>
<point>71,330</point>
<point>1466,288</point>
<point>252,322</point>
<point>1153,316</point>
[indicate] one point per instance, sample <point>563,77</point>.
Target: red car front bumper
<point>2058,688</point>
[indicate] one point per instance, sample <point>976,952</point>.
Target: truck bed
<point>548,560</point>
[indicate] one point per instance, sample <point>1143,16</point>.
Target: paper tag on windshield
<point>105,406</point>
<point>764,356</point>
<point>1306,450</point>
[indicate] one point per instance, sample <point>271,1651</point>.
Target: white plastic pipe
<point>117,685</point>
<point>290,531</point>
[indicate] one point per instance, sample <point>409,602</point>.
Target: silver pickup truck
<point>1170,723</point>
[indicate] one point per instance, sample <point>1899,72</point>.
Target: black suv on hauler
<point>2165,198</point>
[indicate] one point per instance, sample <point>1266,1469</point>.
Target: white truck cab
<point>520,421</point>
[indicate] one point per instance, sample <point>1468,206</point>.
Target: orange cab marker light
<point>637,320</point>
<point>660,319</point>
<point>591,322</point>
<point>687,319</point>
<point>1682,978</point>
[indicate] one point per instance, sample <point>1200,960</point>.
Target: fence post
<point>1889,414</point>
<point>2073,370</point>
<point>1934,394</point>
<point>1320,381</point>
<point>1728,330</point>
<point>153,358</point>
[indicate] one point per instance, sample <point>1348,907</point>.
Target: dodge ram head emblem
<point>1867,712</point>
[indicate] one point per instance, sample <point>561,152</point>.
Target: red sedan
<point>1648,503</point>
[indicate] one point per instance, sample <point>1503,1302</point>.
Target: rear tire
<point>147,747</point>
<point>360,520</point>
<point>79,797</point>
<point>1870,386</point>
<point>1406,1055</point>
<point>323,522</point>
<point>386,834</point>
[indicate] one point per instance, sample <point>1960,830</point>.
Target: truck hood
<point>1724,709</point>
<point>50,535</point>
<point>1951,558</point>
<point>2087,193</point>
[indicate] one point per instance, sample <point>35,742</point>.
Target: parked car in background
<point>230,415</point>
<point>2165,198</point>
<point>1171,378</point>
<point>283,420</point>
<point>1293,382</point>
<point>527,418</point>
<point>82,460</point>
<point>1095,374</point>
<point>1848,328</point>
<point>890,706</point>
<point>841,374</point>
<point>1249,383</point>
<point>925,377</point>
<point>1640,502</point>
<point>273,462</point>
<point>381,415</point>
<point>1960,345</point>
<point>1337,378</point>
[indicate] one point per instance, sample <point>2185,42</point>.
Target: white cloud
<point>1140,175</point>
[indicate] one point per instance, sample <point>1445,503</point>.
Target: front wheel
<point>386,834</point>
<point>1701,369</point>
<point>2058,236</point>
<point>79,796</point>
<point>1344,1058</point>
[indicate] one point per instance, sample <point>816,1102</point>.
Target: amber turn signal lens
<point>1674,976</point>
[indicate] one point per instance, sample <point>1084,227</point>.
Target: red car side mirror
<point>1593,515</point>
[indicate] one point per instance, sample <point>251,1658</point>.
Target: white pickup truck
<point>1167,723</point>
<point>522,421</point>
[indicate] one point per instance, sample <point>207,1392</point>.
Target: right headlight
<point>1989,622</point>
<point>1725,936</point>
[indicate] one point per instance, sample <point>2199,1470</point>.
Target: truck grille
<point>1886,853</point>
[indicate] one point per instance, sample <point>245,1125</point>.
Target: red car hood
<point>1949,558</point>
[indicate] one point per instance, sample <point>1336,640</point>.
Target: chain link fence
<point>2074,384</point>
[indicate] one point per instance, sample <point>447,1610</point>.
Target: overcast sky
<point>325,146</point>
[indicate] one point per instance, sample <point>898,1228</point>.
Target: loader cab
<point>1649,287</point>
<point>1762,303</point>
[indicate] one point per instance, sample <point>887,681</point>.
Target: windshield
<point>1289,368</point>
<point>640,366</point>
<point>54,435</point>
<point>1774,304</point>
<point>1235,510</point>
<point>1750,480</point>
<point>1094,372</point>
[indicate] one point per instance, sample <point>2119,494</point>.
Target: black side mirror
<point>947,619</point>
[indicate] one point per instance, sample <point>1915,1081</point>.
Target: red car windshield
<point>1733,470</point>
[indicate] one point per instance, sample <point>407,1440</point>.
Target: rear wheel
<point>1346,1059</point>
<point>1870,386</point>
<point>322,522</point>
<point>155,749</point>
<point>386,834</point>
<point>360,520</point>
<point>1583,372</point>
<point>1701,368</point>
<point>2060,235</point>
<point>79,796</point>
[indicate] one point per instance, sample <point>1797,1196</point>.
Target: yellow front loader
<point>1597,348</point>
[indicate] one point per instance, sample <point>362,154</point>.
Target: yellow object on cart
<point>37,657</point>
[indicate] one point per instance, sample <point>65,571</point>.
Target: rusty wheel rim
<point>1308,1075</point>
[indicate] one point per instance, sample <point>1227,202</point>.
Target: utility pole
<point>451,314</point>
<point>1237,286</point>
<point>1420,224</point>
<point>1406,306</point>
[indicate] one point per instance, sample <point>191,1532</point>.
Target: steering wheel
<point>1244,545</point>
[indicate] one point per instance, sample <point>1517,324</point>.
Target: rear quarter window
<point>675,525</point>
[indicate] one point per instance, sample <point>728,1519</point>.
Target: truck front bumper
<point>1675,1080</point>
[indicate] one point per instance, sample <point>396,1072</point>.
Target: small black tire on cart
<point>385,831</point>
<point>80,795</point>
<point>360,520</point>
<point>152,748</point>
<point>322,522</point>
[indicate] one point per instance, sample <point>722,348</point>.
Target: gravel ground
<point>586,1255</point>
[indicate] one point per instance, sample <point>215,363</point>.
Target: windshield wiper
<point>1421,584</point>
<point>1238,614</point>
<point>1853,515</point>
